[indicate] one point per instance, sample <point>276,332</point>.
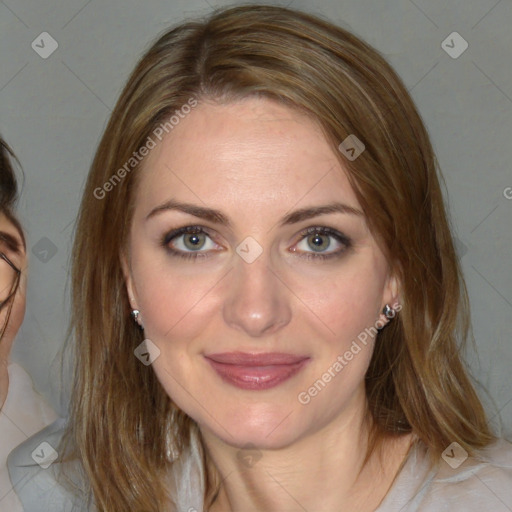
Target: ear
<point>391,296</point>
<point>128,279</point>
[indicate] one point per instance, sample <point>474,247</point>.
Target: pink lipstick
<point>256,371</point>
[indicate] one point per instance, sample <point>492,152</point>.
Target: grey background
<point>53,112</point>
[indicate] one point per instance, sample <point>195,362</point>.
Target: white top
<point>473,486</point>
<point>23,414</point>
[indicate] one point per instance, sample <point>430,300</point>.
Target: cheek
<point>174,306</point>
<point>346,302</point>
<point>16,316</point>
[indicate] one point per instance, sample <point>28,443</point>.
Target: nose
<point>257,302</point>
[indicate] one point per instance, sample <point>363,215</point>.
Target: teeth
<point>257,378</point>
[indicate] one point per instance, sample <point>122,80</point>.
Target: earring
<point>388,312</point>
<point>135,314</point>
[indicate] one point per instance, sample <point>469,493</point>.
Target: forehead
<point>248,149</point>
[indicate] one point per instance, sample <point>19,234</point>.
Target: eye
<point>9,243</point>
<point>189,242</point>
<point>322,242</point>
<point>317,242</point>
<point>192,242</point>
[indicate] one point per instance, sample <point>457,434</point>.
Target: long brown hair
<point>122,421</point>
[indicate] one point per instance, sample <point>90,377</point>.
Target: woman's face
<point>277,259</point>
<point>11,244</point>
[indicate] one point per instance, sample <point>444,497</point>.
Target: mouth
<point>256,371</point>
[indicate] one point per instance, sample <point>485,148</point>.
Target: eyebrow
<point>11,241</point>
<point>218,217</point>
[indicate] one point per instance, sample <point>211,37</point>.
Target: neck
<point>326,463</point>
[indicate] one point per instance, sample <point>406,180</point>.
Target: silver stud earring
<point>388,312</point>
<point>135,314</point>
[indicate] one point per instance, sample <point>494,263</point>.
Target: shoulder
<point>482,482</point>
<point>456,483</point>
<point>37,473</point>
<point>23,414</point>
<point>23,404</point>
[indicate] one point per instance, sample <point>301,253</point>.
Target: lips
<point>246,359</point>
<point>256,371</point>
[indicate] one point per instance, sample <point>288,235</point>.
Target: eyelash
<point>325,231</point>
<point>320,230</point>
<point>12,245</point>
<point>187,230</point>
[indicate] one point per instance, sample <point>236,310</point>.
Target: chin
<point>260,427</point>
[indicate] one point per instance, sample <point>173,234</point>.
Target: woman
<point>264,203</point>
<point>22,411</point>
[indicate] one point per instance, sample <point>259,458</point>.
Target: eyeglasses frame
<point>16,281</point>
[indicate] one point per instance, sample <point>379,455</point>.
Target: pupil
<point>319,242</point>
<point>194,241</point>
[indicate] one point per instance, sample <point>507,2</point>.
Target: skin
<point>257,161</point>
<point>18,256</point>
